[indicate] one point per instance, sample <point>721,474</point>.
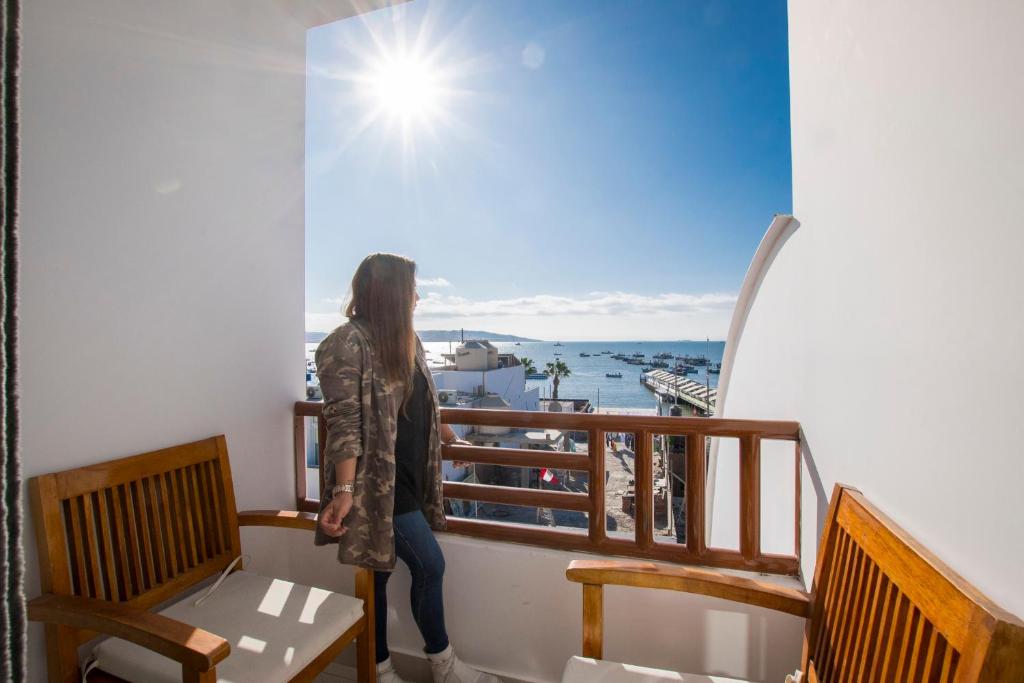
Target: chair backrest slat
<point>885,608</point>
<point>137,530</point>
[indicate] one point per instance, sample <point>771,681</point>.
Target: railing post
<point>696,481</point>
<point>299,446</point>
<point>644,490</point>
<point>750,497</point>
<point>596,518</point>
<point>797,495</point>
<point>321,443</point>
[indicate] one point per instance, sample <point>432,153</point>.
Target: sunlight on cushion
<point>269,624</point>
<point>314,599</point>
<point>252,644</point>
<point>276,597</point>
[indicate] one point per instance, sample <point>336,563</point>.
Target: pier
<point>683,389</point>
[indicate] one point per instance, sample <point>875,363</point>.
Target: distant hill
<point>456,335</point>
<point>441,336</point>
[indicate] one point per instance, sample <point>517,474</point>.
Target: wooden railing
<point>595,538</point>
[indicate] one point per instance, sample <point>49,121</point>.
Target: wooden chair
<point>881,608</point>
<point>118,538</point>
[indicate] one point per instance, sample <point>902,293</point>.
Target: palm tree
<point>528,365</point>
<point>556,371</point>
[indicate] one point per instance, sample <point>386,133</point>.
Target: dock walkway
<point>684,389</point>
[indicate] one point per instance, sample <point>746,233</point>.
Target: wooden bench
<point>881,608</point>
<point>119,538</point>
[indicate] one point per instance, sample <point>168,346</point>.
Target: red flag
<point>548,476</point>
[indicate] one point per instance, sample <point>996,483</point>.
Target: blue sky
<point>572,169</point>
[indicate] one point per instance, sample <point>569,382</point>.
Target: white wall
<point>890,323</point>
<point>509,383</point>
<point>162,234</point>
<point>531,399</point>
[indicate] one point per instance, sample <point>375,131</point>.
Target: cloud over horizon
<point>605,315</point>
<point>432,282</point>
<point>437,306</point>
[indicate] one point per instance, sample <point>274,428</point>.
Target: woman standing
<point>382,459</point>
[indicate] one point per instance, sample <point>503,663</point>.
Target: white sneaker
<point>446,667</point>
<point>386,673</point>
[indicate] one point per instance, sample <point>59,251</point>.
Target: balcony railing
<point>695,431</point>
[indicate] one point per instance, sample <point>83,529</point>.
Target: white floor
<point>336,674</point>
<point>412,669</point>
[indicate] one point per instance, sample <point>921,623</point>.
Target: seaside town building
<point>476,375</point>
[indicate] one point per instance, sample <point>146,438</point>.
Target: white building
<point>477,376</point>
<point>477,370</point>
<point>476,354</point>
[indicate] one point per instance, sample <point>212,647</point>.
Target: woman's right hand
<point>332,516</point>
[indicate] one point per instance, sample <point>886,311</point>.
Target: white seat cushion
<point>275,628</point>
<point>584,670</point>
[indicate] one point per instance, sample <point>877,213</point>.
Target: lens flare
<point>406,89</point>
<point>401,86</point>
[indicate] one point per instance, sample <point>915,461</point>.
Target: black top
<point>411,447</point>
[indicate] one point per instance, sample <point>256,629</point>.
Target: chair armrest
<point>193,647</point>
<point>688,580</point>
<point>281,518</point>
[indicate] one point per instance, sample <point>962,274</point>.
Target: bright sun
<point>406,89</point>
<point>402,87</point>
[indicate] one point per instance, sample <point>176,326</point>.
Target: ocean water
<point>588,374</point>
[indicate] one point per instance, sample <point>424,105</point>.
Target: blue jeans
<point>416,546</point>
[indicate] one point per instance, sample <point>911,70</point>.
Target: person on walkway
<point>382,458</point>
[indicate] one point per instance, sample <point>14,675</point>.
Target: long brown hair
<point>383,296</point>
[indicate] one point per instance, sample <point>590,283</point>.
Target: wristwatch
<point>346,487</point>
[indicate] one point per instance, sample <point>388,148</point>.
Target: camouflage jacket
<point>361,411</point>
